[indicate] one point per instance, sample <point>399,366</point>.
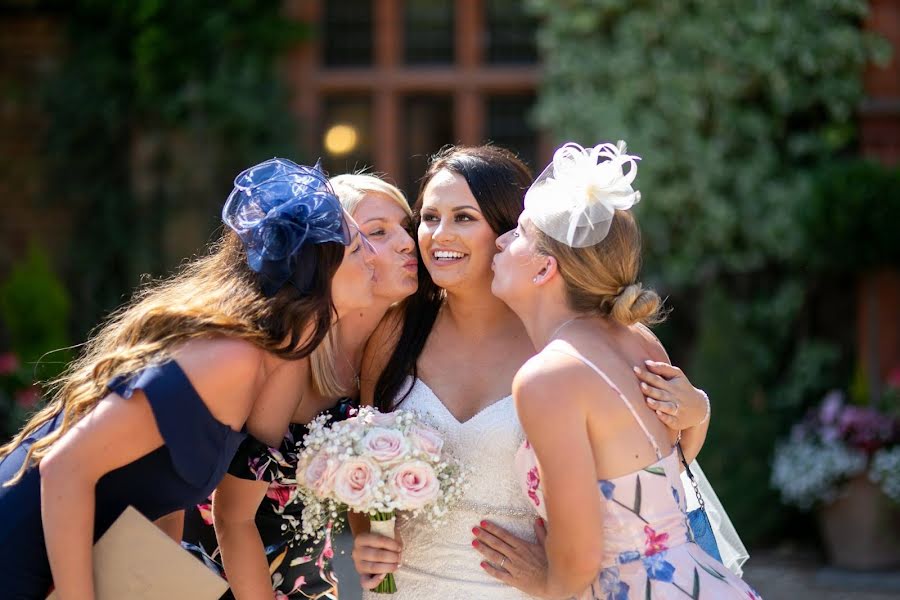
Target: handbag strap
<point>690,475</point>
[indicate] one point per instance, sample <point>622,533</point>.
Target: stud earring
<point>535,279</point>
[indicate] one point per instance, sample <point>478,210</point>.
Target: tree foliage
<point>735,107</point>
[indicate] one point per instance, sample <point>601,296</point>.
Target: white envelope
<point>134,559</point>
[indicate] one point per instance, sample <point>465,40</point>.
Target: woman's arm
<point>677,403</point>
<point>114,434</point>
<point>172,524</point>
<point>234,507</point>
<point>559,437</point>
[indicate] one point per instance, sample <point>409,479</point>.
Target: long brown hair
<point>497,180</point>
<point>214,295</point>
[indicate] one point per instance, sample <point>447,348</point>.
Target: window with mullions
<point>428,127</point>
<point>347,33</point>
<point>509,125</point>
<point>428,31</point>
<point>511,33</point>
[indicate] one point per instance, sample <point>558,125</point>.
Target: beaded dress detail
<point>440,563</point>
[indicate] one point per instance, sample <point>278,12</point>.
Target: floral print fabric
<point>299,569</point>
<point>649,553</point>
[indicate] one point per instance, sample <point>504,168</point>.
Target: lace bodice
<point>441,563</point>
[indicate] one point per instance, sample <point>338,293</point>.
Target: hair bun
<point>633,304</point>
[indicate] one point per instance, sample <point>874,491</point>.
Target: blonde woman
<point>153,411</point>
<point>596,463</point>
<point>256,526</point>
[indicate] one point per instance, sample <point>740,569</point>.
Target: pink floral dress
<point>648,549</point>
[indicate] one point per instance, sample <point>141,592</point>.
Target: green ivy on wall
<point>732,105</point>
<point>155,106</point>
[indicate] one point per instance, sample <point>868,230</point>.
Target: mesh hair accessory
<point>277,208</point>
<point>574,199</point>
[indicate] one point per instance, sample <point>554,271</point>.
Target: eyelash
<point>460,217</point>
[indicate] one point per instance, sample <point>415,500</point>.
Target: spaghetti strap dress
<point>196,452</point>
<point>649,552</point>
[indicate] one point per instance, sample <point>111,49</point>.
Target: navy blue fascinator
<point>278,208</point>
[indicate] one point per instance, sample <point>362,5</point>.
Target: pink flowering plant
<point>837,441</point>
<point>377,464</point>
<point>19,395</point>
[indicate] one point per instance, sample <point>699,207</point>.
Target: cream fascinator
<point>574,199</point>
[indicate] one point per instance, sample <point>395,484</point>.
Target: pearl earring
<point>535,279</point>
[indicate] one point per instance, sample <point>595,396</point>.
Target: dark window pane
<point>511,33</point>
<point>346,138</point>
<point>428,31</point>
<point>509,125</point>
<point>428,126</point>
<point>347,33</point>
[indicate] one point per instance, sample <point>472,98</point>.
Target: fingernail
<point>648,362</point>
<point>541,520</point>
<point>483,565</point>
<point>637,370</point>
<point>475,543</point>
<point>644,386</point>
<point>475,530</point>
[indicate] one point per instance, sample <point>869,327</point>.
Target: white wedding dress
<point>440,563</point>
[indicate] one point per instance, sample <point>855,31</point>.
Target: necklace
<point>560,328</point>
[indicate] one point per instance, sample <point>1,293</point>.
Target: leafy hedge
<point>734,106</point>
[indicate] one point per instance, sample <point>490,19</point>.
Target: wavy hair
<point>214,295</point>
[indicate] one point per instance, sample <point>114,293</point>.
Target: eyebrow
<point>372,219</point>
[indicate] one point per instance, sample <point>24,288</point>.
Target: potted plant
<point>843,459</point>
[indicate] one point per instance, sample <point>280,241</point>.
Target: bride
<point>450,356</point>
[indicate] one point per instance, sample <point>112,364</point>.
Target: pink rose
<point>355,481</point>
<point>427,440</point>
<point>318,474</point>
<point>384,446</point>
<point>381,419</point>
<point>414,485</point>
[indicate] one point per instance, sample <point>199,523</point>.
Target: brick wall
<point>30,47</point>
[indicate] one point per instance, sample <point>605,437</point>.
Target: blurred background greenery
<point>770,222</point>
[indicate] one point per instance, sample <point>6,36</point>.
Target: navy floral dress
<point>300,569</point>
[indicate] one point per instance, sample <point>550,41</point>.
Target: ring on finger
<point>502,562</point>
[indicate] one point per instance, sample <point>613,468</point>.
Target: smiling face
<point>353,284</point>
<point>456,242</point>
<point>386,225</point>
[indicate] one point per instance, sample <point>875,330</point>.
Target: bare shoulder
<point>550,377</point>
<point>651,343</point>
<point>226,372</point>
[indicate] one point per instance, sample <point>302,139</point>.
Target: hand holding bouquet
<point>377,464</point>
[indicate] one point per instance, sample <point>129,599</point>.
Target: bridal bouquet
<point>377,464</point>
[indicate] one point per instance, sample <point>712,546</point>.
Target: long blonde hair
<point>214,295</point>
<point>602,279</point>
<point>351,189</point>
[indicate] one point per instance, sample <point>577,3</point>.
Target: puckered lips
<point>412,265</point>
